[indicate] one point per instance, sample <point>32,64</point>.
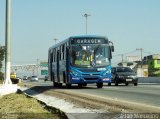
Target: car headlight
<point>108,71</point>
<point>75,73</point>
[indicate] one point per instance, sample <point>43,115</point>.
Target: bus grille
<point>91,78</point>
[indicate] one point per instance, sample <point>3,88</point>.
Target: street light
<point>86,16</point>
<point>37,66</point>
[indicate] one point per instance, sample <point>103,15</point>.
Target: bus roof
<point>87,36</point>
<point>77,36</point>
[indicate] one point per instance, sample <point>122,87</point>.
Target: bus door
<point>50,65</point>
<point>67,64</point>
<point>58,76</point>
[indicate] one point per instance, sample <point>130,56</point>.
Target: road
<point>147,94</point>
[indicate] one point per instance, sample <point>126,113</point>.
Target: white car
<point>25,77</point>
<point>34,78</point>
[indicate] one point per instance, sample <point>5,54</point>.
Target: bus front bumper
<point>76,80</point>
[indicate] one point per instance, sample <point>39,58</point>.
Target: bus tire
<point>59,85</point>
<point>80,85</point>
<point>84,84</point>
<point>99,85</point>
<point>68,85</point>
<point>55,84</point>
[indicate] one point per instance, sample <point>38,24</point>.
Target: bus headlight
<point>108,71</point>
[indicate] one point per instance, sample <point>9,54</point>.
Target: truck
<point>14,78</point>
<point>153,62</point>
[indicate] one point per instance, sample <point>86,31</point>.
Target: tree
<point>2,54</point>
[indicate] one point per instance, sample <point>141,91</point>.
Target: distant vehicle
<point>25,77</point>
<point>81,60</point>
<point>124,75</point>
<point>13,75</point>
<point>33,78</point>
<point>153,62</point>
<point>46,78</point>
<point>14,78</point>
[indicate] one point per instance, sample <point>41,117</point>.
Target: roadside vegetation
<point>20,106</point>
<point>2,52</point>
<point>1,81</point>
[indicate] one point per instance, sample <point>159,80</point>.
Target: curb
<point>51,109</point>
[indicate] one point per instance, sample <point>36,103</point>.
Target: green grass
<point>21,106</point>
<point>1,81</point>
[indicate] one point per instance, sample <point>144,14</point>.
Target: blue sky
<point>129,24</point>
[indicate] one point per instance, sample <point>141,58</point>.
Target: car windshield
<point>90,55</point>
<point>124,69</point>
<point>34,76</point>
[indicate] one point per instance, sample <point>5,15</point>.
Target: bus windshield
<point>86,55</point>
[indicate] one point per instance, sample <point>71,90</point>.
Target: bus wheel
<point>68,85</point>
<point>80,85</point>
<point>109,84</point>
<point>59,85</point>
<point>84,84</point>
<point>55,84</point>
<point>99,85</point>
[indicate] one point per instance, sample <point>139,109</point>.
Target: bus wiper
<point>97,48</point>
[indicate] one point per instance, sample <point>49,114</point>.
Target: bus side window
<point>54,55</point>
<point>51,56</point>
<point>60,53</point>
<point>63,47</point>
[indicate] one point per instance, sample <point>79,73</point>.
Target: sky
<point>129,24</point>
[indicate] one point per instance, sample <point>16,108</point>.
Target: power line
<point>125,53</point>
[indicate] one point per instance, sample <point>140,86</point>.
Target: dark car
<point>124,75</point>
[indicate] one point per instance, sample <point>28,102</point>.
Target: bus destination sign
<point>89,41</point>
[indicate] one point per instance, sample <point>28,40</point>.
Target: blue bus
<point>81,60</point>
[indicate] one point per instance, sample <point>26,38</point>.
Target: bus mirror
<point>112,48</point>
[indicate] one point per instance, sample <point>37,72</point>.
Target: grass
<point>20,106</point>
<point>1,81</point>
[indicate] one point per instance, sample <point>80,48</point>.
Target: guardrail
<point>148,79</point>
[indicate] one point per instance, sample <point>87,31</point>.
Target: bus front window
<point>90,55</point>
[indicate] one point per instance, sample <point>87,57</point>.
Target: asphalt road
<point>148,94</point>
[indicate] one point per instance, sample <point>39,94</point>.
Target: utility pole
<point>37,66</point>
<point>7,86</point>
<point>7,43</point>
<point>141,49</point>
<point>86,16</point>
<point>122,57</point>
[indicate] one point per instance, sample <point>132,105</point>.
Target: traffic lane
<point>146,94</point>
<point>92,93</point>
